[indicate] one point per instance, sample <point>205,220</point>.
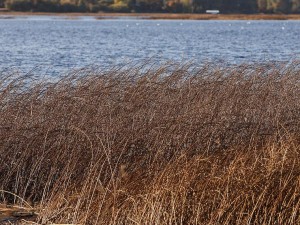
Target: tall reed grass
<point>176,144</point>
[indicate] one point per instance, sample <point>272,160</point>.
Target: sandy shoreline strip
<point>167,16</point>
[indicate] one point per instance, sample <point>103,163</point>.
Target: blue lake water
<point>59,44</point>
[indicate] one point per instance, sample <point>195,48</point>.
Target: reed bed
<point>175,144</point>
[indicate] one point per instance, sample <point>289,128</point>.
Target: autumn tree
<point>262,5</point>
<point>295,8</point>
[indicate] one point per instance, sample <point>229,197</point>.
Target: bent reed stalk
<point>176,144</point>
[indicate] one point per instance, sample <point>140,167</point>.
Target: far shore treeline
<point>172,6</point>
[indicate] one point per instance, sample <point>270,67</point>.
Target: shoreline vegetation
<point>157,16</point>
<point>156,6</point>
<point>174,144</point>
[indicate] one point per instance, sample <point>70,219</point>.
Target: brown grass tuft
<point>168,145</point>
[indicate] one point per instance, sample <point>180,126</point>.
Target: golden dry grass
<point>168,145</point>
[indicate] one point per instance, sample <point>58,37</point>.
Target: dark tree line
<point>249,6</point>
<point>227,6</point>
<point>194,6</point>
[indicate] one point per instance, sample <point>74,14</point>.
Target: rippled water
<point>58,44</point>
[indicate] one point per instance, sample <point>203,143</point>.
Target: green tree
<point>249,6</point>
<point>200,6</point>
<point>230,6</point>
<point>155,6</point>
<point>283,6</point>
<point>239,6</point>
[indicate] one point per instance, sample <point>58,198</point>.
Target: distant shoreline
<point>159,16</point>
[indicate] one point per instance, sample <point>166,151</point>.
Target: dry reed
<point>168,145</point>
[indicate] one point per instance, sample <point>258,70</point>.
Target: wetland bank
<point>172,145</point>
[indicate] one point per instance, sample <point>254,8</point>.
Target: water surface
<point>59,43</point>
